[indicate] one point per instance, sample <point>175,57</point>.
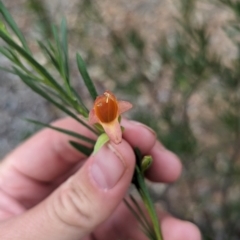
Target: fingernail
<point>144,126</point>
<point>108,167</point>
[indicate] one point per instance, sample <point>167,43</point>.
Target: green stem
<point>139,182</point>
<point>143,191</point>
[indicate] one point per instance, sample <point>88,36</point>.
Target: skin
<point>49,191</point>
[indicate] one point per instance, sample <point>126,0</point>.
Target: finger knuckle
<point>73,206</point>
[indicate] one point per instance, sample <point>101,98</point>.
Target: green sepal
<point>102,139</point>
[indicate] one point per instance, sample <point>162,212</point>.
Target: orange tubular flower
<point>106,111</point>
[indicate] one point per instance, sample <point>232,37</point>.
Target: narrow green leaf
<point>58,52</point>
<point>19,68</point>
<point>49,55</point>
<point>86,78</point>
<point>12,24</point>
<point>65,131</point>
<point>65,47</point>
<point>13,57</point>
<point>28,81</point>
<point>6,53</point>
<point>50,81</point>
<point>142,189</point>
<point>3,27</point>
<point>32,61</point>
<point>102,139</point>
<point>40,10</point>
<point>47,78</point>
<point>7,70</point>
<point>47,50</point>
<point>80,102</point>
<point>99,127</point>
<point>61,55</point>
<point>51,47</point>
<point>141,214</point>
<point>81,148</point>
<point>55,95</point>
<point>134,212</point>
<point>138,217</point>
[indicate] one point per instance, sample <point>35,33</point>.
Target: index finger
<point>47,154</point>
<point>166,166</point>
<point>29,173</point>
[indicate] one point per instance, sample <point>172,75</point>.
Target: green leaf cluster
<point>56,90</point>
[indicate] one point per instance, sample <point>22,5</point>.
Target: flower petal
<point>124,106</point>
<point>92,117</point>
<point>113,130</point>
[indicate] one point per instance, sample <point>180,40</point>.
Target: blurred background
<point>178,62</point>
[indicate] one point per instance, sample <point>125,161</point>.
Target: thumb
<point>86,199</point>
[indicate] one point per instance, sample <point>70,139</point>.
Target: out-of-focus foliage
<point>186,86</point>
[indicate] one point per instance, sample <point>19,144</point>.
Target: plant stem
<point>140,184</point>
<point>143,191</point>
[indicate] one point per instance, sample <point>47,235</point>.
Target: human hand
<point>48,190</point>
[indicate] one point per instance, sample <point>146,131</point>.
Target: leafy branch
<point>62,95</point>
